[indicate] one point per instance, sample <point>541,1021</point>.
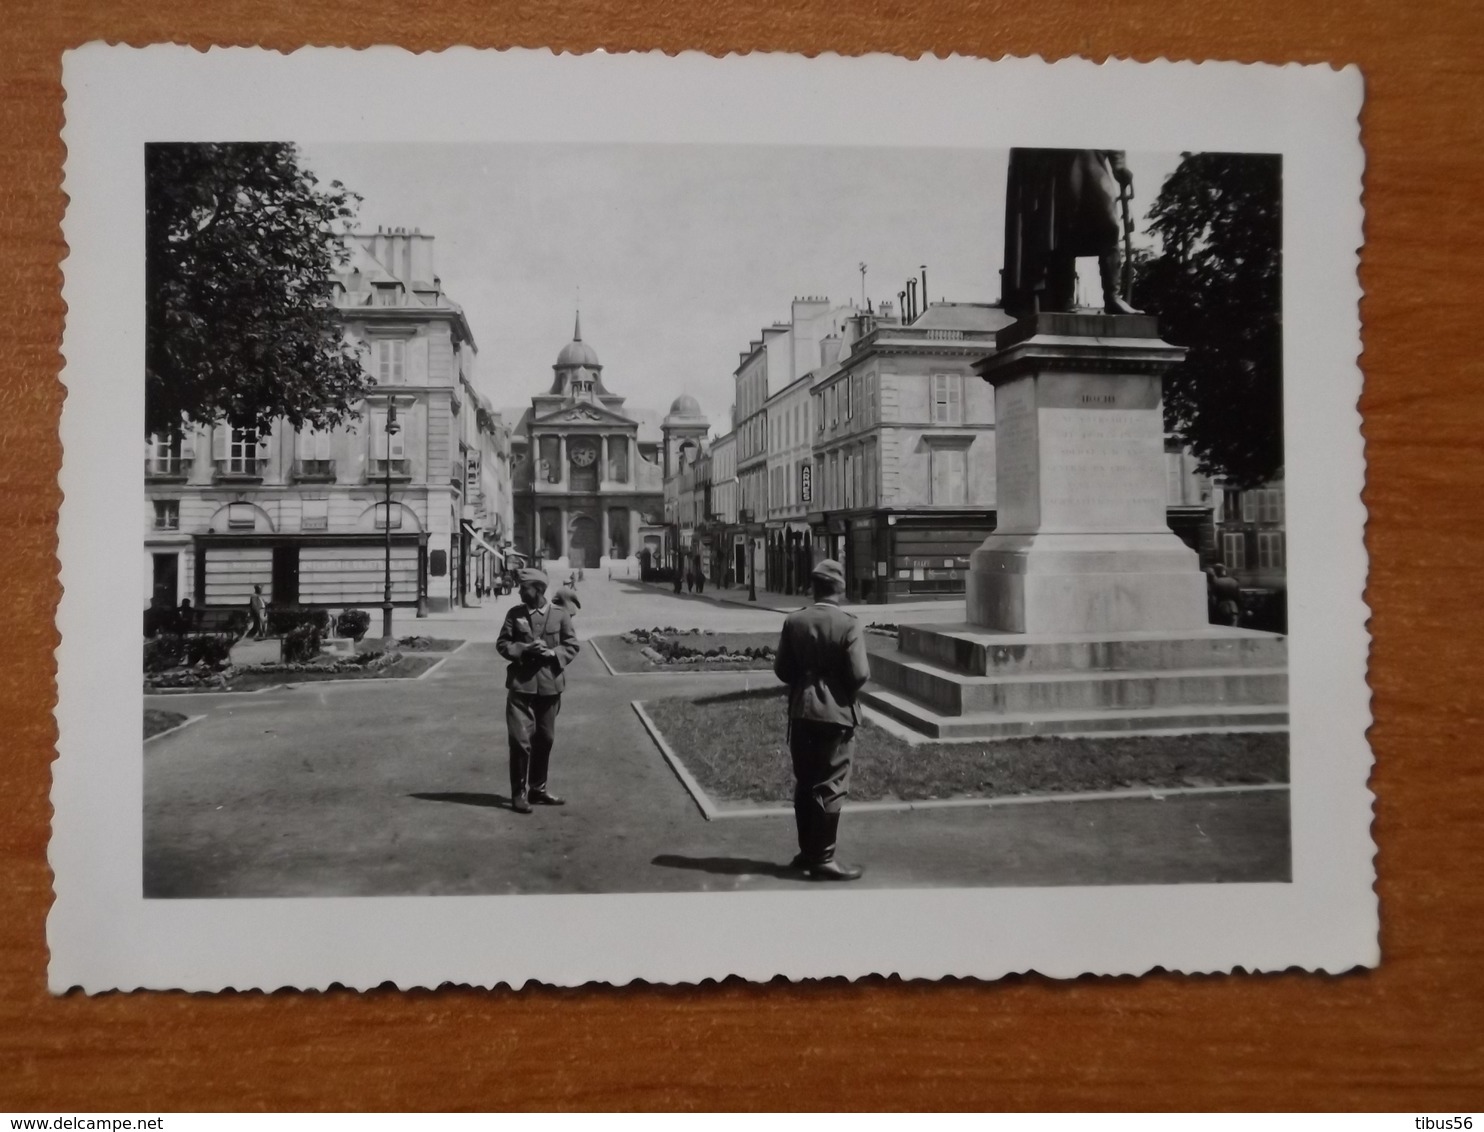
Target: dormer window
<point>386,294</point>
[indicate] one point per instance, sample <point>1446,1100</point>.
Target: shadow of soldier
<point>489,801</point>
<point>728,866</point>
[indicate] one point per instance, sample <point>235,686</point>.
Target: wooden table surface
<point>1405,1036</point>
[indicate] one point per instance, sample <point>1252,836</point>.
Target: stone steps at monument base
<point>955,693</point>
<point>1199,718</point>
<point>979,652</point>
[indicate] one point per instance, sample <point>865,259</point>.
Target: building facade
<point>1251,540</point>
<point>781,355</point>
<point>904,452</point>
<point>304,513</point>
<point>904,455</point>
<point>724,506</point>
<point>790,416</point>
<point>588,473</point>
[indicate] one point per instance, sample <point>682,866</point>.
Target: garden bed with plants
<point>676,650</point>
<point>736,746</point>
<point>201,662</point>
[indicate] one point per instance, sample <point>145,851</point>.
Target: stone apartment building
<point>303,514</point>
<point>904,453</point>
<point>781,355</point>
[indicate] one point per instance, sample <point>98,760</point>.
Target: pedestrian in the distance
<point>1228,593</point>
<point>538,640</point>
<point>822,659</point>
<point>257,611</point>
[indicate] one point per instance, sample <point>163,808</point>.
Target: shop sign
<point>806,482</point>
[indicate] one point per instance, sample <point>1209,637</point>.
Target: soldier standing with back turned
<point>822,659</point>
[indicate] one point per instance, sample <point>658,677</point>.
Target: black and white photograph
<point>845,529</point>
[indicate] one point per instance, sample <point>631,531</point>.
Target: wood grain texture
<point>1407,1036</point>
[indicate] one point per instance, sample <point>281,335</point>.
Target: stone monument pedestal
<point>1082,544</point>
<point>1085,614</point>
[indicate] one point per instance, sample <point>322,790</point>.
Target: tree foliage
<point>1216,286</point>
<point>241,249</point>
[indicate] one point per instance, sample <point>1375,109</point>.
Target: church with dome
<point>588,472</point>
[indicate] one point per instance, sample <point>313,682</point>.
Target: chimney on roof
<point>923,269</point>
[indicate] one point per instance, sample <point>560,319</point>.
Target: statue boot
<point>1110,267</point>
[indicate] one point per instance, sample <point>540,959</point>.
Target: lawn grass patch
<point>157,721</point>
<point>735,744</point>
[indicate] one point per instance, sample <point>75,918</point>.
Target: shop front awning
<point>480,541</point>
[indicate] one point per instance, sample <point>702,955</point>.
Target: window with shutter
<point>1249,507</point>
<point>1234,550</point>
<point>391,361</point>
<point>949,476</point>
<point>948,399</point>
<point>1270,550</point>
<point>241,456</point>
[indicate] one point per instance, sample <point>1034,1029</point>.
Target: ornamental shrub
<point>283,620</point>
<point>210,649</point>
<point>162,652</point>
<point>353,623</point>
<point>301,644</point>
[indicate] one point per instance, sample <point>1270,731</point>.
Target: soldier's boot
<point>1110,268</point>
<point>825,867</point>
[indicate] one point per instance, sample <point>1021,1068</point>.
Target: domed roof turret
<point>577,352</point>
<point>685,411</point>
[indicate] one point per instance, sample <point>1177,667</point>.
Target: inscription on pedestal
<point>1101,470</point>
<point>1017,486</point>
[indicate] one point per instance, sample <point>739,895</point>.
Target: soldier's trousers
<point>821,756</point>
<point>531,723</point>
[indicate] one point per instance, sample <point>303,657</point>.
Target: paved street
<point>400,787</point>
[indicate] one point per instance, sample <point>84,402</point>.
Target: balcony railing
<point>240,468</point>
<point>400,469</point>
<point>313,471</point>
<point>167,467</point>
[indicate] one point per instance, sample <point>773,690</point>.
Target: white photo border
<point>104,934</point>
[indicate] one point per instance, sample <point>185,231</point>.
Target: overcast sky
<point>681,253</point>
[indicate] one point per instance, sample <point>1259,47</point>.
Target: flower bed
<point>248,677</point>
<point>671,650</point>
<point>663,646</point>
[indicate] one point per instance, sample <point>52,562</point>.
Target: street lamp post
<point>751,568</point>
<point>392,428</point>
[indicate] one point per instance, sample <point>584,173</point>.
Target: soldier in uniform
<point>822,659</point>
<point>538,640</point>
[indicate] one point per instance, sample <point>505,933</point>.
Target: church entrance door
<point>583,546</point>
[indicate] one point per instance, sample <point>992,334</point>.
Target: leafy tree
<point>1216,286</point>
<point>241,247</point>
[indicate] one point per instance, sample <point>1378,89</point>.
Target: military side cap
<point>565,597</point>
<point>830,571</point>
<point>532,576</point>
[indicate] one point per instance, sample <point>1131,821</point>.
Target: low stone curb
<point>182,725</point>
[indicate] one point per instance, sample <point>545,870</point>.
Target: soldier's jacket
<point>822,659</point>
<point>536,675</point>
